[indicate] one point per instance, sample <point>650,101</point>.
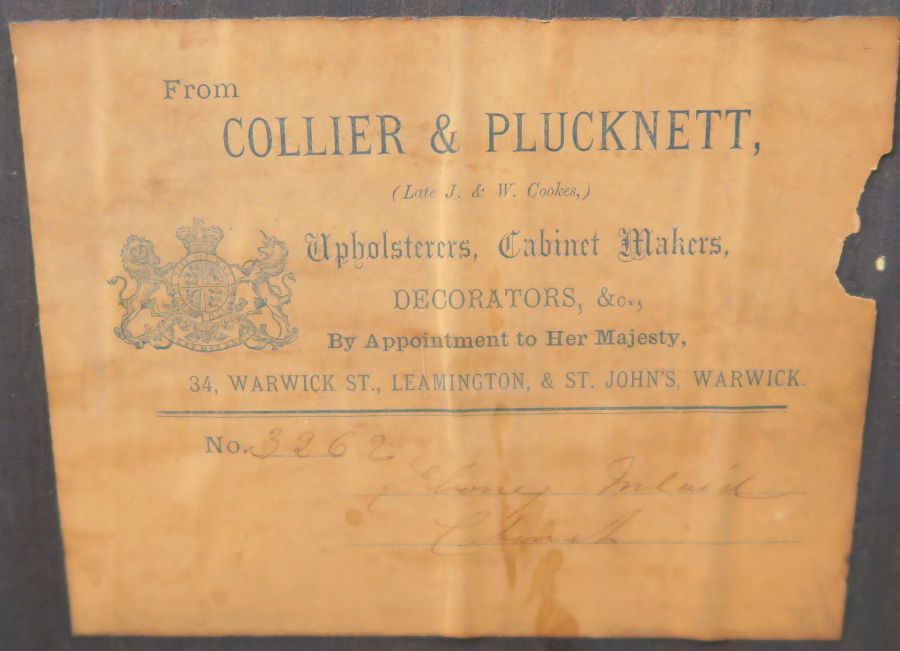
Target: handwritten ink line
<point>469,411</point>
<point>514,543</point>
<point>757,495</point>
<point>296,456</point>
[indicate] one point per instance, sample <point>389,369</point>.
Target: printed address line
<point>470,411</point>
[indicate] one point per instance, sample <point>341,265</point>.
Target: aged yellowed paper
<point>454,327</point>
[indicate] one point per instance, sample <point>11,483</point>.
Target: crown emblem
<point>200,238</point>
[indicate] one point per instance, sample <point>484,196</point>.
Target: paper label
<point>454,327</point>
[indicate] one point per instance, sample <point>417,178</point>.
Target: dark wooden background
<point>33,601</point>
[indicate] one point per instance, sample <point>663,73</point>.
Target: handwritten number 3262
<point>309,445</point>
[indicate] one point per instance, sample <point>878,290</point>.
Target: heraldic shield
<point>201,302</point>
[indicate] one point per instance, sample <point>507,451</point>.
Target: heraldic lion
<point>142,264</point>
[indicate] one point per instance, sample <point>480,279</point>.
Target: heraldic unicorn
<point>201,302</point>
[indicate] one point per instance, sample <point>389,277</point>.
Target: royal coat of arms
<point>201,302</point>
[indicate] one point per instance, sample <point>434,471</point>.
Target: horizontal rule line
<point>470,411</point>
